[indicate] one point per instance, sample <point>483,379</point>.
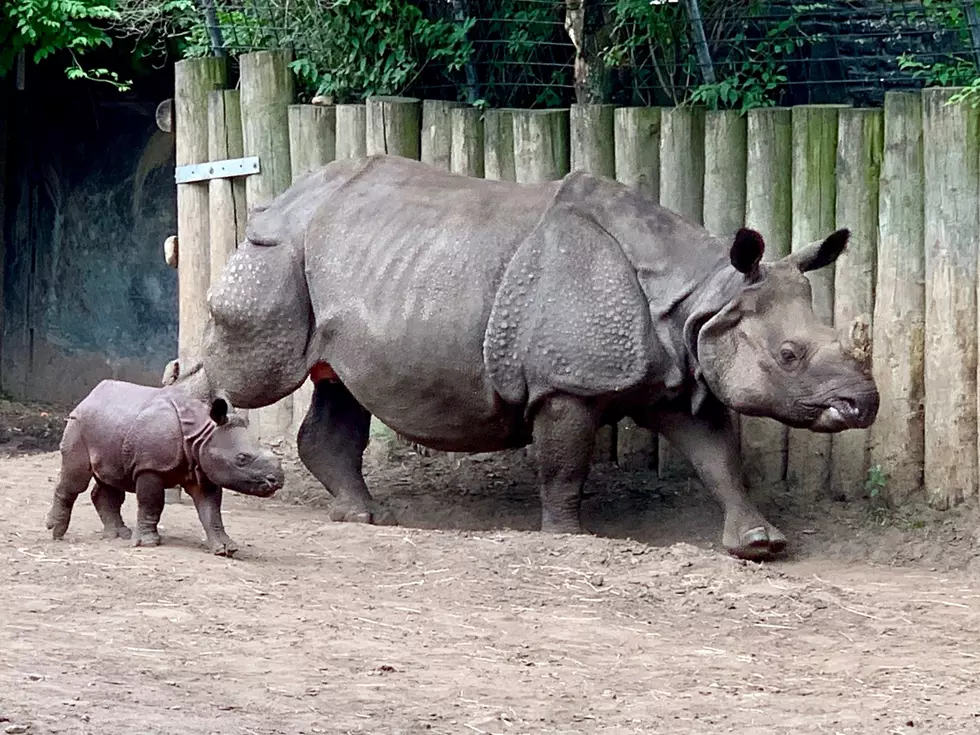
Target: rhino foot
<point>146,538</point>
<point>57,522</point>
<point>372,513</point>
<point>121,531</point>
<point>224,547</point>
<point>754,541</point>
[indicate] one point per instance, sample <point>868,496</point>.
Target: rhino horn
<point>856,343</point>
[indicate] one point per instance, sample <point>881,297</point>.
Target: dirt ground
<point>463,620</point>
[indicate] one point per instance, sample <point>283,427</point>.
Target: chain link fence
<point>534,53</point>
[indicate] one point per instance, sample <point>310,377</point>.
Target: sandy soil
<point>463,620</point>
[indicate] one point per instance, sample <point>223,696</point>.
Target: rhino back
<point>403,264</point>
<point>114,416</point>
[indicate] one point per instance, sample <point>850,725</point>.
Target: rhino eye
<point>243,459</point>
<point>790,355</point>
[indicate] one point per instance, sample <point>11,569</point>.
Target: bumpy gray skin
<point>133,438</point>
<point>473,316</point>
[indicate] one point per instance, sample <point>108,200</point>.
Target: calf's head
<point>765,353</point>
<point>231,459</point>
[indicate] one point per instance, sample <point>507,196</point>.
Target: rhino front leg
<point>150,494</point>
<point>76,473</point>
<point>709,442</point>
<point>108,503</point>
<point>331,444</point>
<point>207,500</point>
<point>564,435</point>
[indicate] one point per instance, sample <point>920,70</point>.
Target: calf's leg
<point>564,435</point>
<point>150,492</point>
<point>331,444</point>
<point>207,500</point>
<point>76,473</point>
<point>108,503</point>
<point>709,442</point>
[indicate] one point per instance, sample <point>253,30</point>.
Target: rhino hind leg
<point>73,480</point>
<point>331,444</point>
<point>108,502</point>
<point>564,435</point>
<point>150,497</point>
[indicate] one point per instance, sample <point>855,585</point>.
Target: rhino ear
<point>822,253</point>
<point>219,410</point>
<point>747,251</point>
<point>569,314</point>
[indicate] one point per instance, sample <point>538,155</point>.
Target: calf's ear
<point>219,411</point>
<point>746,252</point>
<point>822,253</point>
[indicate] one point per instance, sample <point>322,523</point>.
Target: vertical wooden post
<point>466,156</point>
<point>859,152</point>
<point>312,145</point>
<point>312,138</point>
<point>394,126</point>
<point>193,80</point>
<point>593,147</point>
<point>498,145</point>
<point>5,106</point>
<point>681,190</point>
<point>226,197</point>
<point>768,209</point>
<point>437,135</point>
<point>951,228</point>
<point>897,436</point>
<point>814,217</point>
<point>636,141</point>
<point>351,131</point>
<point>266,93</point>
<point>540,145</point>
<point>637,148</point>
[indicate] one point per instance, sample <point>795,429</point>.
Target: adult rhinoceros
<point>472,316</point>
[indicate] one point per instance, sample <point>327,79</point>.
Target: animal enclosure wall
<point>87,201</point>
<point>904,179</point>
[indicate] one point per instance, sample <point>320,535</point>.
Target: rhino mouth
<point>266,486</point>
<point>842,414</point>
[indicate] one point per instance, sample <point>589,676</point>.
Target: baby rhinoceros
<point>135,438</point>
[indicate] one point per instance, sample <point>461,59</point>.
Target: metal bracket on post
<point>226,169</point>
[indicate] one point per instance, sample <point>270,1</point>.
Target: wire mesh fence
<point>534,53</point>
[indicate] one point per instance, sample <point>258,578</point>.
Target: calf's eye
<point>243,459</point>
<point>789,354</point>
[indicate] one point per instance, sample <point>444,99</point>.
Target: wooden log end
<point>165,115</point>
<point>170,251</point>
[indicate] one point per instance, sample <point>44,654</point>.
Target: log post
<point>193,80</point>
<point>859,151</point>
<point>681,190</point>
<point>227,207</point>
<point>951,227</point>
<point>351,131</point>
<point>498,145</point>
<point>394,126</point>
<point>637,148</point>
<point>593,147</point>
<point>540,145</point>
<point>312,145</point>
<point>897,436</point>
<point>466,156</point>
<point>266,93</point>
<point>768,209</point>
<point>814,217</point>
<point>312,138</point>
<point>437,135</point>
<point>636,141</point>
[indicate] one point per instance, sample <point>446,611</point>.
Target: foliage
<point>43,28</point>
<point>356,48</point>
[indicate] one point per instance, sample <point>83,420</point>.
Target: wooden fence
<point>904,179</point>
